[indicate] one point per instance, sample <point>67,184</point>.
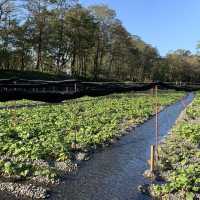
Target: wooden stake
<point>152,159</point>
<point>75,88</point>
<point>75,140</point>
<point>152,91</point>
<point>14,115</point>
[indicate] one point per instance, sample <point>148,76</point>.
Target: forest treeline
<point>90,43</point>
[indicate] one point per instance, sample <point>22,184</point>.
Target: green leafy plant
<point>48,132</point>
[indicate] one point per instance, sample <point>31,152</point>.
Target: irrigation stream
<point>116,172</point>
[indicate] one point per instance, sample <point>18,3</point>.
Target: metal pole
<point>157,129</point>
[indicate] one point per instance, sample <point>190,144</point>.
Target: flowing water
<point>116,172</point>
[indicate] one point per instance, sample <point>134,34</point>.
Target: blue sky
<point>166,24</point>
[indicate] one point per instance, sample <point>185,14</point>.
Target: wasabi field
<point>41,144</point>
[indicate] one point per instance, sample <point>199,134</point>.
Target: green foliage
<point>60,36</point>
<point>48,132</point>
<point>190,131</point>
<point>193,112</point>
<point>87,42</point>
<point>180,158</point>
<point>24,169</point>
<point>12,168</point>
<point>187,179</point>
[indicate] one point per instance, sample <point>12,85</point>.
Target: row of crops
<point>179,162</point>
<point>33,139</point>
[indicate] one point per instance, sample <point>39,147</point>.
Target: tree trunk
<point>39,51</point>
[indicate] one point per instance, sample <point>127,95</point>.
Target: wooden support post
<point>152,91</point>
<point>67,89</point>
<point>75,88</point>
<point>75,140</point>
<point>14,115</point>
<point>152,159</point>
<point>73,145</point>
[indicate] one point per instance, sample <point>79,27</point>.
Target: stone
<point>81,156</point>
<point>149,174</point>
<point>144,189</point>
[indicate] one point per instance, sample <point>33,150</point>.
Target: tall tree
<point>38,20</point>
